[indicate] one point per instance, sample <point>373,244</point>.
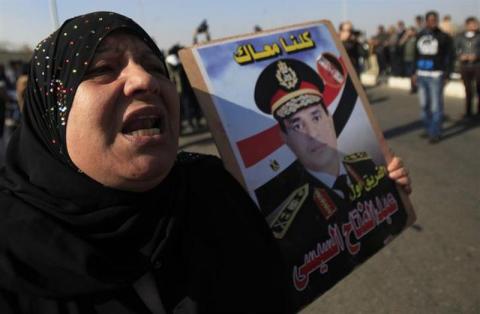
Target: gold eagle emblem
<point>286,76</point>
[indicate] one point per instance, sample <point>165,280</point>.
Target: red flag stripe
<point>257,147</point>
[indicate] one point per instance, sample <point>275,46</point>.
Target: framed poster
<point>294,126</point>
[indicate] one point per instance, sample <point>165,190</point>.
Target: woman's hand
<point>398,173</point>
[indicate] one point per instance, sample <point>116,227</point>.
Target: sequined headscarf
<point>58,65</point>
<point>62,233</point>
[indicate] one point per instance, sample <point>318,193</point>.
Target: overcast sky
<point>169,22</point>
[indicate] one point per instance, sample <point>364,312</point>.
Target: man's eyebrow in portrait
<point>292,119</point>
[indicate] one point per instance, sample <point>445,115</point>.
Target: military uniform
<point>323,234</point>
<point>317,208</point>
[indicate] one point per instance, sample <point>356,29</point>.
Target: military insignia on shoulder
<point>286,213</point>
<point>356,157</point>
<point>286,76</point>
<point>324,202</point>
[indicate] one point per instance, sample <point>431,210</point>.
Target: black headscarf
<point>62,233</point>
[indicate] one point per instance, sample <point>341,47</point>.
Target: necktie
<point>341,184</point>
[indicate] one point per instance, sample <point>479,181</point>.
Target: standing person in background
<point>379,42</point>
<point>22,85</point>
<point>11,74</point>
<point>190,112</point>
<point>364,50</point>
<point>202,29</point>
<point>434,57</point>
<point>391,49</point>
<point>468,53</point>
<point>408,42</point>
<point>351,44</point>
<point>397,51</point>
<point>447,26</point>
<point>3,107</point>
<point>419,23</point>
<point>3,104</point>
<point>4,77</point>
<point>4,84</point>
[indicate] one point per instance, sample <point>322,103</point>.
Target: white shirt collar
<point>327,178</point>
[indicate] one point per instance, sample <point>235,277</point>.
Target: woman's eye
<point>100,70</point>
<point>156,69</point>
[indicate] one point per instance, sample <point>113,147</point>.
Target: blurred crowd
<point>391,51</point>
<point>431,51</point>
<point>13,81</point>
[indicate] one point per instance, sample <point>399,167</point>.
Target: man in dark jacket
<point>434,56</point>
<point>352,45</point>
<point>468,53</point>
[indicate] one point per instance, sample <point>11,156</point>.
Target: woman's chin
<point>150,169</point>
<point>140,174</point>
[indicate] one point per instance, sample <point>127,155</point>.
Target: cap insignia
<point>286,76</point>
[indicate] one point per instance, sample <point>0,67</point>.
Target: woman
<point>98,214</point>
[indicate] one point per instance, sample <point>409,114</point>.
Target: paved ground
<point>433,267</point>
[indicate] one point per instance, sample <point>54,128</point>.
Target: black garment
<point>2,114</point>
<point>471,81</point>
<point>396,52</point>
<point>215,249</point>
<point>470,70</point>
<point>341,184</point>
<point>381,52</point>
<point>3,101</point>
<point>434,51</point>
<point>319,215</point>
<point>354,51</point>
<point>70,245</point>
<point>191,108</point>
<point>469,43</point>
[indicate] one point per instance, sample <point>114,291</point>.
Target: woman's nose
<point>138,80</point>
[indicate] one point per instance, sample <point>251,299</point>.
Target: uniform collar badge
<point>324,202</point>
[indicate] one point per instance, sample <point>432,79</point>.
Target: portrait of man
<point>330,69</point>
<point>324,189</point>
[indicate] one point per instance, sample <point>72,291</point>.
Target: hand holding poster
<point>294,127</point>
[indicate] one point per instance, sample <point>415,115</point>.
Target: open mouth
<point>144,126</point>
<point>145,122</point>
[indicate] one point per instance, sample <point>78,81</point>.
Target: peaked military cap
<point>286,86</point>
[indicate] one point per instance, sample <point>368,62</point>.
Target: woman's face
<point>122,129</point>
